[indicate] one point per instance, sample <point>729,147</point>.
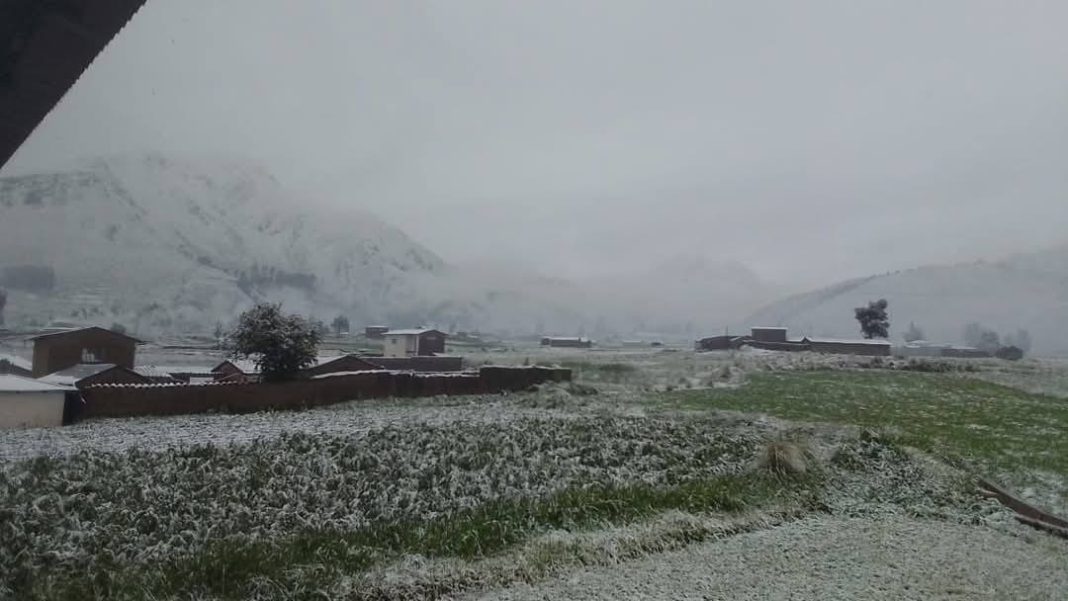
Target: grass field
<point>1003,432</point>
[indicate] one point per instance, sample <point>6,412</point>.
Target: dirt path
<point>833,558</point>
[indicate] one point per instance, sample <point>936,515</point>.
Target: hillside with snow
<point>163,245</point>
<point>1028,291</point>
<point>158,244</point>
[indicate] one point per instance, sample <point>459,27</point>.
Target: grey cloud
<point>809,140</point>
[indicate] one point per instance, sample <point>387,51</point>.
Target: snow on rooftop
<point>846,340</point>
<point>13,383</point>
<point>409,332</point>
<point>17,361</point>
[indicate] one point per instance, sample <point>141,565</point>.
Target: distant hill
<point>162,245</point>
<point>1027,291</point>
<point>159,244</point>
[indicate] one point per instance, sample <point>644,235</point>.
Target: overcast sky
<point>811,141</point>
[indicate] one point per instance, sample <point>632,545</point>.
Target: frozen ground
<point>827,557</point>
<point>362,464</point>
<point>350,419</point>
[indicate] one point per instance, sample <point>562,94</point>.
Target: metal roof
<point>846,341</point>
<point>71,375</point>
<point>79,330</point>
<point>44,48</point>
<point>17,361</point>
<point>13,383</point>
<point>411,332</point>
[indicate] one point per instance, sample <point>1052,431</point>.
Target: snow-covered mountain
<point>1028,291</point>
<point>159,244</point>
<point>165,245</point>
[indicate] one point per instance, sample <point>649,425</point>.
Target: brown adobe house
<point>89,374</point>
<point>342,364</point>
<point>62,350</point>
<point>236,370</point>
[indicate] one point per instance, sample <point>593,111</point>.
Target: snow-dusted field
<point>349,420</point>
<point>885,523</point>
<point>830,558</point>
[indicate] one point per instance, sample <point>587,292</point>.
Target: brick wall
<point>129,400</point>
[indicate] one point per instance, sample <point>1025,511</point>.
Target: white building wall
<point>31,409</point>
<point>400,346</point>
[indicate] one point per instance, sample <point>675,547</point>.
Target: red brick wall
<point>124,400</point>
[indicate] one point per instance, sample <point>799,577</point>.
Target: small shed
<point>719,343</point>
<point>84,375</point>
<point>29,403</point>
<point>342,364</point>
<point>417,342</point>
<point>236,370</point>
<point>766,334</point>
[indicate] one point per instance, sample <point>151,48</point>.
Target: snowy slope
<point>163,244</point>
<point>1027,291</point>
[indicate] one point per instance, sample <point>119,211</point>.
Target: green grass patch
<point>1001,428</point>
<point>232,569</point>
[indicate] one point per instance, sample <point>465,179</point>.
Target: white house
<point>28,403</point>
<point>407,343</point>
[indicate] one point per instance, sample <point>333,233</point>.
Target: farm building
<point>719,343</point>
<point>89,374</point>
<point>157,375</point>
<point>408,343</point>
<point>29,403</point>
<point>875,348</point>
<point>62,350</point>
<point>965,352</point>
<point>376,332</point>
<point>236,370</point>
<point>11,364</point>
<point>566,342</point>
<point>764,334</point>
<point>342,364</point>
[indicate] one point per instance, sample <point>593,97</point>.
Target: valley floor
<point>654,475</point>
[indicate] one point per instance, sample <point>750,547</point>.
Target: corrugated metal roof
<point>71,375</point>
<point>78,330</point>
<point>411,332</point>
<point>17,361</point>
<point>847,341</point>
<point>13,383</point>
<point>44,48</point>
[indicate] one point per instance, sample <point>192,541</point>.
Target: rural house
<point>236,370</point>
<point>376,332</point>
<point>342,364</point>
<point>566,342</point>
<point>93,345</point>
<point>88,374</point>
<point>28,403</point>
<point>408,343</point>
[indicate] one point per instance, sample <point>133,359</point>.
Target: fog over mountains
<point>166,245</point>
<point>1028,291</point>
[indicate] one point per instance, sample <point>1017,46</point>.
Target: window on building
<point>91,355</point>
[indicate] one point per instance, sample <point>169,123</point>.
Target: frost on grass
<point>140,506</point>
